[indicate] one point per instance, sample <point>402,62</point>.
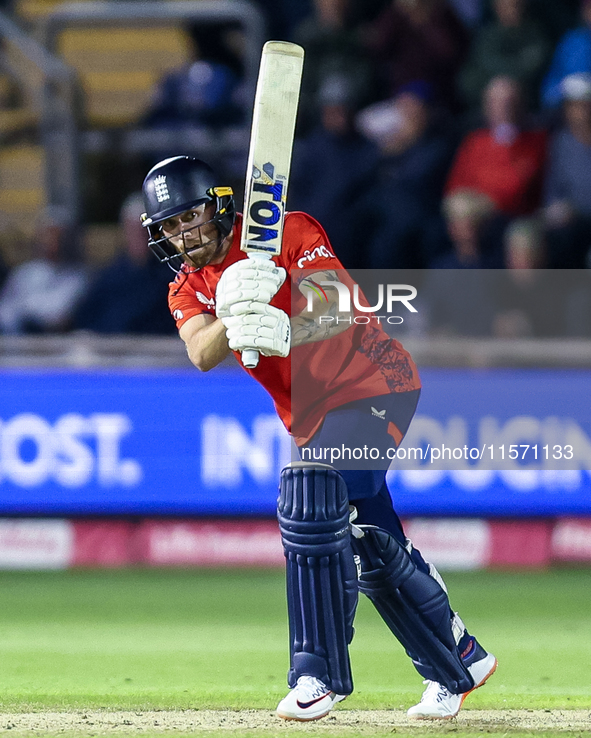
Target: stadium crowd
<point>432,134</point>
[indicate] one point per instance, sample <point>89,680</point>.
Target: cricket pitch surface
<point>264,722</point>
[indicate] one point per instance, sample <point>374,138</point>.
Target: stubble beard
<point>202,250</point>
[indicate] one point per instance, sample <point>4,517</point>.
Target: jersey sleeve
<point>184,301</point>
<point>306,245</point>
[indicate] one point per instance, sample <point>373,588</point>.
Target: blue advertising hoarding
<point>177,442</point>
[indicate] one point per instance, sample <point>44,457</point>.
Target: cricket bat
<point>269,157</point>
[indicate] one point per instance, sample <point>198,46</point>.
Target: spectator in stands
<point>40,294</point>
<point>129,294</point>
<point>419,39</point>
<point>333,47</point>
<point>202,93</point>
<point>457,290</point>
<point>397,218</point>
<point>524,245</point>
<point>468,216</point>
<point>572,56</point>
<point>511,44</point>
<point>332,166</point>
<point>568,179</point>
<point>529,299</point>
<point>505,160</point>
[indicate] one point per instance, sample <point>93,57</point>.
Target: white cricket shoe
<point>438,703</point>
<point>310,699</point>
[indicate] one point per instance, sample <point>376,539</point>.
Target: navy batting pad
<point>413,605</point>
<point>313,514</point>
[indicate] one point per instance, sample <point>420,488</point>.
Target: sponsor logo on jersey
<point>317,253</point>
<point>209,301</point>
<point>178,315</point>
<point>378,413</point>
<point>161,188</point>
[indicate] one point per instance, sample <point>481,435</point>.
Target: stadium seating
<point>22,196</point>
<point>21,174</point>
<point>31,11</point>
<point>118,67</point>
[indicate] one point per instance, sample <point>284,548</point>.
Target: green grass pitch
<point>184,639</point>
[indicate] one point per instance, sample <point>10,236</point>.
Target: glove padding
<point>245,281</point>
<point>264,328</point>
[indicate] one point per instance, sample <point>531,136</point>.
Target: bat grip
<point>250,357</point>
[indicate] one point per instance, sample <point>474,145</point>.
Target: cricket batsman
<point>340,532</point>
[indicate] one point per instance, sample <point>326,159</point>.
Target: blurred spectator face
<point>396,124</point>
<point>465,213</point>
<point>509,12</point>
<point>332,13</point>
<point>502,102</point>
<point>576,94</point>
<point>523,252</point>
<point>463,231</point>
<point>50,238</point>
<point>336,98</point>
<point>415,117</point>
<point>414,110</point>
<point>336,119</point>
<point>578,113</point>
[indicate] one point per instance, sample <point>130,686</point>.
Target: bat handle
<point>250,357</point>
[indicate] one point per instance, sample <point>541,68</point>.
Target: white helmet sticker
<point>161,188</point>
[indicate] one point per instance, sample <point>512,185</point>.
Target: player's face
<point>194,234</point>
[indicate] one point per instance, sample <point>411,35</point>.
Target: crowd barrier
<point>451,544</point>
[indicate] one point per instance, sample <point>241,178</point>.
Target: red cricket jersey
<point>361,362</point>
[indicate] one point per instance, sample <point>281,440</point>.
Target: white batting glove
<point>264,328</point>
<point>245,281</point>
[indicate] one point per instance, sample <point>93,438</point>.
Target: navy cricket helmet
<point>174,186</point>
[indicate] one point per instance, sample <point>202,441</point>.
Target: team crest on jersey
<point>161,188</point>
<point>209,301</point>
<point>317,253</point>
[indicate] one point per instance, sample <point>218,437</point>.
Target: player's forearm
<point>208,347</point>
<point>320,320</point>
<point>324,322</point>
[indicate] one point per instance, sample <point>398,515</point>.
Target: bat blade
<point>269,157</point>
<point>271,143</point>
